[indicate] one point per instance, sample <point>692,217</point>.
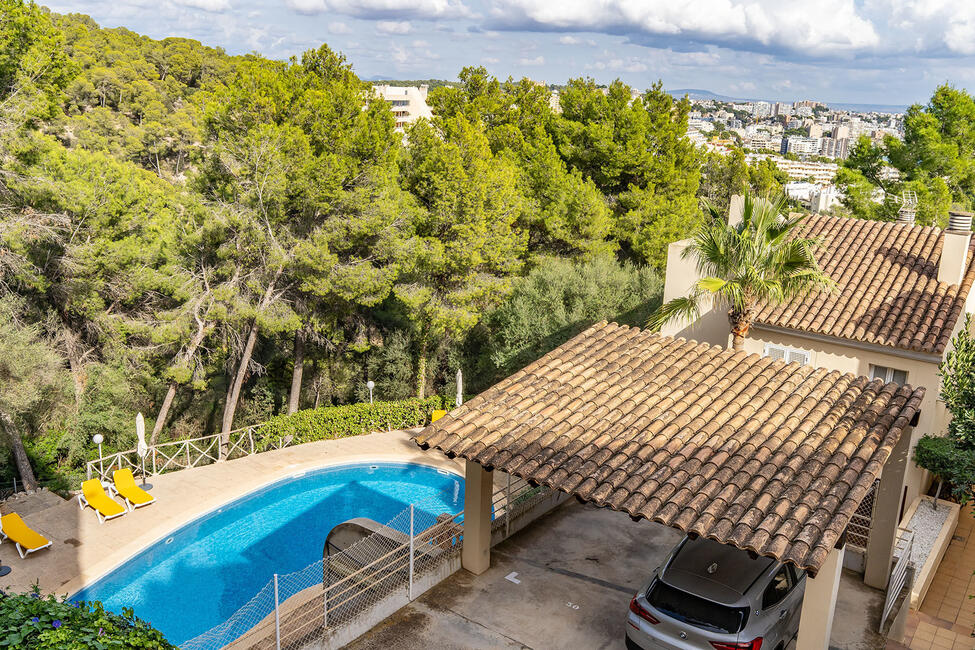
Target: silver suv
<point>715,597</point>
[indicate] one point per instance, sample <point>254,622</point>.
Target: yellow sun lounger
<point>27,541</point>
<point>126,488</point>
<point>93,494</point>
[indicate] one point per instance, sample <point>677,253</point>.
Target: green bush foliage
<point>558,299</point>
<point>49,623</point>
<point>950,462</point>
<point>958,387</point>
<point>333,422</point>
<point>952,458</point>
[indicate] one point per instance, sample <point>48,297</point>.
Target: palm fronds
<point>763,259</point>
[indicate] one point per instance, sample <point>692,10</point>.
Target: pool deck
<point>84,550</point>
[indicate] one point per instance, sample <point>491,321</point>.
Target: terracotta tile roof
<point>764,455</point>
<point>887,286</point>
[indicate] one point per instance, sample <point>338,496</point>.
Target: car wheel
<point>631,644</point>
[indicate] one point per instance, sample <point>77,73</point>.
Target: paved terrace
<point>84,550</point>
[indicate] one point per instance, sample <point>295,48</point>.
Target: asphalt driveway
<point>565,582</point>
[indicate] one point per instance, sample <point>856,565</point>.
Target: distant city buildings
<point>819,173</point>
<point>838,148</point>
<point>797,137</point>
<point>800,146</point>
<point>409,103</point>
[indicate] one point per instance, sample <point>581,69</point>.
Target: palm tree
<point>764,259</point>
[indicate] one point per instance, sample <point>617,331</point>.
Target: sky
<point>863,51</point>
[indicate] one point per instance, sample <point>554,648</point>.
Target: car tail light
<point>637,609</point>
<point>742,645</point>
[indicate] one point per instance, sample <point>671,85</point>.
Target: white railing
<point>898,577</point>
<point>183,454</point>
<point>412,552</point>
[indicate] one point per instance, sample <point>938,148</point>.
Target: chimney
<point>954,251</point>
<point>423,91</point>
<point>906,216</point>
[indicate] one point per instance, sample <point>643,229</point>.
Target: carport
<point>769,457</point>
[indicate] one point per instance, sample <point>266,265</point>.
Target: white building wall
<point>408,103</point>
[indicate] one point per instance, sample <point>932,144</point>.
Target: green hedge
<point>332,422</point>
<point>49,623</point>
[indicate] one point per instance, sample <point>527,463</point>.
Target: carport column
<point>478,492</point>
<point>819,602</point>
<point>886,515</point>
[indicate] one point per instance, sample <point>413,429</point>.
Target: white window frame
<point>788,352</point>
<point>888,373</point>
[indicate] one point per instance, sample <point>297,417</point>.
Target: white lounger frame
<point>82,502</point>
<point>128,504</point>
<point>20,549</point>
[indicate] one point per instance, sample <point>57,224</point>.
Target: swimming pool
<point>199,575</point>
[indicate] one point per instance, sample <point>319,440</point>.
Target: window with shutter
<point>798,356</point>
<point>791,355</point>
<point>888,375</point>
<point>774,352</point>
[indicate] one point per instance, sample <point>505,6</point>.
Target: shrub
<point>49,623</point>
<point>958,387</point>
<point>558,299</point>
<point>332,422</point>
<point>950,462</point>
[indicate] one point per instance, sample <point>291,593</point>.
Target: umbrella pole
<point>145,486</point>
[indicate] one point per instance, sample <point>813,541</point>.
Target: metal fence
<point>370,579</point>
<point>7,492</point>
<point>903,549</point>
<point>858,530</point>
<point>183,454</point>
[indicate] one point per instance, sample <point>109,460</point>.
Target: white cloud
<point>394,27</point>
<point>490,60</point>
<point>928,25</point>
<point>575,40</point>
<point>206,5</point>
<point>339,28</point>
<point>834,27</point>
<point>538,60</point>
<point>421,43</point>
<point>743,86</point>
<point>619,65</point>
<point>384,9</point>
<point>307,6</point>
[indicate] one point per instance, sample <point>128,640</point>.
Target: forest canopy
<point>213,239</point>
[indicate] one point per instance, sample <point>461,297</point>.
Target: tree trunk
<point>740,324</point>
<point>72,346</point>
<point>163,413</point>
<point>299,367</point>
<point>421,368</point>
<point>233,395</point>
<point>187,356</point>
<point>20,454</point>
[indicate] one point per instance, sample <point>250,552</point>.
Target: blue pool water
<point>198,576</point>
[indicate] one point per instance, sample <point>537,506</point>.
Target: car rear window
<point>694,610</point>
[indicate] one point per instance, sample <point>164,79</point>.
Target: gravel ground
<point>926,524</point>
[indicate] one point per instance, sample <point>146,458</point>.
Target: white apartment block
<point>761,109</point>
<point>836,147</point>
<point>409,103</point>
<point>821,173</point>
<point>800,146</point>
